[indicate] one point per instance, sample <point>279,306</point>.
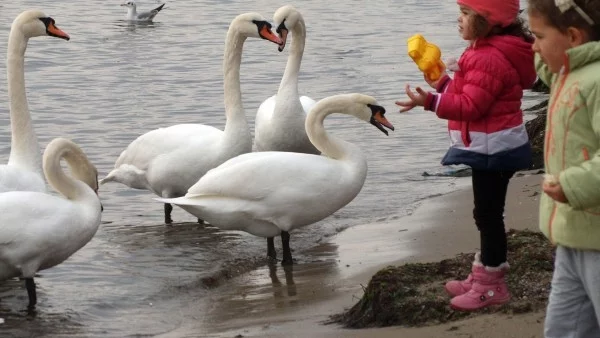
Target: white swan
<point>24,169</point>
<point>167,161</point>
<point>271,193</point>
<point>279,124</point>
<point>39,230</point>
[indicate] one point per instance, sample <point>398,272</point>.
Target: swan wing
<point>265,192</point>
<point>13,178</point>
<point>307,103</point>
<point>152,144</point>
<point>38,230</point>
<point>256,176</point>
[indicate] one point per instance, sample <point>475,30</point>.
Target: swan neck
<point>66,185</point>
<point>234,110</point>
<point>289,81</point>
<point>330,146</point>
<point>25,150</point>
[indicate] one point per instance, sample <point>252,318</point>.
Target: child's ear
<point>577,36</point>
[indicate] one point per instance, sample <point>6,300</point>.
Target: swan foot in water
<point>271,254</point>
<point>168,209</point>
<point>30,286</point>
<point>287,253</point>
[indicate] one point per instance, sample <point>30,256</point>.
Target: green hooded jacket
<point>572,149</point>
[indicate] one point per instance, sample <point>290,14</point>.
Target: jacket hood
<point>519,53</point>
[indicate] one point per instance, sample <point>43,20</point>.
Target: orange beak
<point>267,34</point>
<point>55,31</point>
<point>381,119</point>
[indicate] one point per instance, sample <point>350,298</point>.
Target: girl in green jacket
<point>567,47</point>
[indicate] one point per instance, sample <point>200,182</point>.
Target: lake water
<point>114,81</point>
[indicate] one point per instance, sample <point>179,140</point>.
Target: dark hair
<point>571,18</point>
<point>517,28</point>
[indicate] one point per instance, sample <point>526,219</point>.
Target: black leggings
<point>489,192</point>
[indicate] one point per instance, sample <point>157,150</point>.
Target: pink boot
<point>488,288</point>
<point>458,287</point>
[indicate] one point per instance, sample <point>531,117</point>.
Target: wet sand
<point>295,302</point>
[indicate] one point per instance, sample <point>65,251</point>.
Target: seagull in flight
<point>133,15</point>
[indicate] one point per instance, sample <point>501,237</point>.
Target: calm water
<point>114,81</point>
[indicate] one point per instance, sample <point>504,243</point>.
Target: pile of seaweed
<point>413,294</point>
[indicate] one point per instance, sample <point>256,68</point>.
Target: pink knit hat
<point>496,12</point>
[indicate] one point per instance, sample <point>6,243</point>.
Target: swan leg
<point>287,253</point>
<point>30,286</point>
<point>271,248</point>
<point>168,209</point>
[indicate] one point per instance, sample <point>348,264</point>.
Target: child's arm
<point>542,70</point>
<point>480,89</point>
<point>581,183</point>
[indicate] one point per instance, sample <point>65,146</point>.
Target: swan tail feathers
<point>159,8</point>
<point>176,200</point>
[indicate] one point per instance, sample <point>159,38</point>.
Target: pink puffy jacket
<point>483,104</point>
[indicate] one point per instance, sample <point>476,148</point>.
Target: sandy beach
<point>295,302</point>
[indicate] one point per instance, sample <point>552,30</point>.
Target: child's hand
<point>552,188</point>
<point>416,99</point>
<point>433,83</point>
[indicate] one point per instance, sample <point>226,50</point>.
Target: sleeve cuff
<point>442,83</point>
<point>431,101</point>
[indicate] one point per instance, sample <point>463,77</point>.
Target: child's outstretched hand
<point>416,99</point>
<point>552,188</point>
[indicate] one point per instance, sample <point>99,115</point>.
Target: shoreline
<point>273,301</point>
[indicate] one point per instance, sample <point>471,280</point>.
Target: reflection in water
<point>133,25</point>
<point>289,280</point>
<point>263,292</point>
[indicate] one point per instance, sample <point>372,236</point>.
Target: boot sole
<point>497,302</point>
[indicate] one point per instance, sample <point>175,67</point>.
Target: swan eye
<point>262,24</point>
<point>47,21</point>
<point>376,109</point>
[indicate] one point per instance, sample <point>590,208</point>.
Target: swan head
<point>35,23</point>
<point>129,4</point>
<point>254,25</point>
<point>285,19</point>
<point>367,109</point>
<point>82,169</point>
<point>79,165</point>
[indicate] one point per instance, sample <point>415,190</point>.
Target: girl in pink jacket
<point>483,107</point>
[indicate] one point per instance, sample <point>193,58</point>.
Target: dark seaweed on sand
<point>413,294</point>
